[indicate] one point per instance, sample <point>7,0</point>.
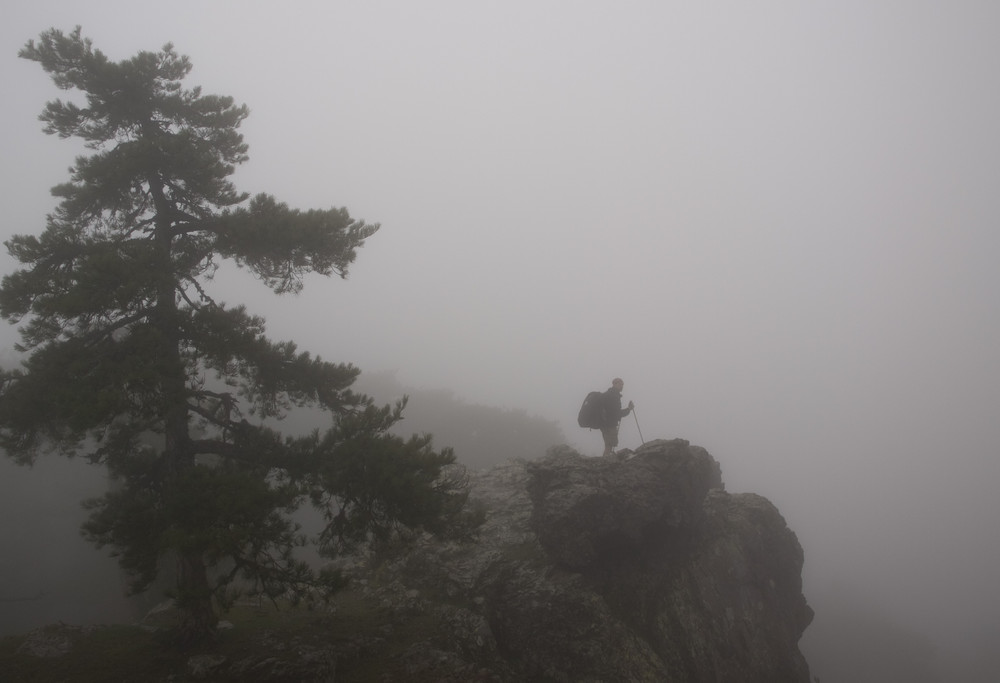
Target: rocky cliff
<point>639,567</point>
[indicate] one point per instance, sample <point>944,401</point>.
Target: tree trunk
<point>194,596</point>
<point>194,599</point>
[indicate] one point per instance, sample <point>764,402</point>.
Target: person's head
<point>618,384</point>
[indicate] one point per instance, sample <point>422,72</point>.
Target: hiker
<point>611,404</point>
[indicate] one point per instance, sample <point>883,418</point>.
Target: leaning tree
<point>131,362</point>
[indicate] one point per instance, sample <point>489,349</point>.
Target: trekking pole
<point>637,425</point>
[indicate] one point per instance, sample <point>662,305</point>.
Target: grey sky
<point>776,221</point>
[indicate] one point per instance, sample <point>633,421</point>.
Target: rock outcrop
<point>639,567</point>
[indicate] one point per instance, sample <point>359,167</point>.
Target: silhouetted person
<point>612,411</point>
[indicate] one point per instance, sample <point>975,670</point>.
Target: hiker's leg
<point>608,441</point>
<point>610,435</point>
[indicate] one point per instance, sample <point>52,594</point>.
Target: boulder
<point>592,510</point>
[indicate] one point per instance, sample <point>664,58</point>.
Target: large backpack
<point>591,412</point>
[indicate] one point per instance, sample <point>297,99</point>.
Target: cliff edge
<point>638,567</point>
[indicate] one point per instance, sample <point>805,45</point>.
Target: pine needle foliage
<point>132,364</point>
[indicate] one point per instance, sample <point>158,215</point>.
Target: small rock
<point>202,666</point>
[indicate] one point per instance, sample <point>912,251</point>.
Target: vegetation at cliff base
<point>355,637</point>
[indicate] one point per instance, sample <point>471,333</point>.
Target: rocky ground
<point>639,567</point>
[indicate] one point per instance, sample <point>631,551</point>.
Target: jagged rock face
<point>591,511</point>
<point>741,588</point>
<point>635,568</point>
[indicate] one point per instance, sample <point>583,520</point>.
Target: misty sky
<point>777,221</point>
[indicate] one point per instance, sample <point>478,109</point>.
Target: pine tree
<point>131,363</point>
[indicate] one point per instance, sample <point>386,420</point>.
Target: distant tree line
<point>482,436</point>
